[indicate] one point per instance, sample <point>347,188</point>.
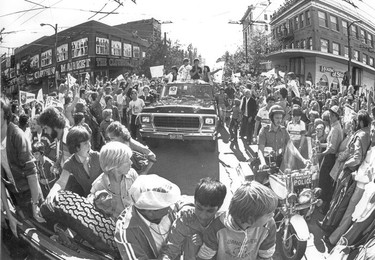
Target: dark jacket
<point>252,108</point>
<point>20,159</point>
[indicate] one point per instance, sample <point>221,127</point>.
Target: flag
<point>119,78</point>
<point>218,76</point>
<point>87,77</point>
<point>39,97</point>
<point>26,97</point>
<point>71,80</point>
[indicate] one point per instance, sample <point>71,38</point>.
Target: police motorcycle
<point>296,187</point>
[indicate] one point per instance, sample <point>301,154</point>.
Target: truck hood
<point>192,106</point>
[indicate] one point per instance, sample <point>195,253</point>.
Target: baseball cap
<point>152,192</point>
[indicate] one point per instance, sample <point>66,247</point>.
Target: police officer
<point>276,137</point>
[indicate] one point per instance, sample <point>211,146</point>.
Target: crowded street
<point>213,131</point>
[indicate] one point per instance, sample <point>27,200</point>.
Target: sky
<point>204,23</point>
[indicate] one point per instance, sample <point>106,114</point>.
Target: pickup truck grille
<point>176,122</point>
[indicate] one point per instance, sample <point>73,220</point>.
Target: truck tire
<point>78,214</point>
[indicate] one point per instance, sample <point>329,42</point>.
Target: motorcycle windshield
<point>292,156</point>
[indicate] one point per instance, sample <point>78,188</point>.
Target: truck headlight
<point>145,119</point>
<point>209,121</point>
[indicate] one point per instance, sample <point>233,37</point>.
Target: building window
<point>363,36</point>
<point>291,25</point>
<point>265,17</point>
<point>336,48</point>
<point>116,48</point>
<point>369,40</point>
<point>136,52</point>
<point>322,19</point>
<point>324,45</point>
<point>62,52</point>
<point>354,30</point>
<point>297,44</point>
<point>46,58</point>
<point>127,50</point>
<point>364,58</point>
<point>266,27</point>
<point>296,23</point>
<point>102,46</point>
<point>301,21</point>
<point>356,55</point>
<point>303,44</point>
<point>371,62</point>
<point>80,47</point>
<point>143,54</point>
<point>344,27</point>
<point>35,61</point>
<point>310,44</point>
<point>346,52</point>
<point>308,17</point>
<point>334,24</point>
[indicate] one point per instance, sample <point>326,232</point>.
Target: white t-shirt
<point>296,130</point>
<point>184,72</point>
<point>263,116</point>
<point>136,106</point>
<point>292,86</point>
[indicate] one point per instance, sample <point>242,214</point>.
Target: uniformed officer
<point>275,137</point>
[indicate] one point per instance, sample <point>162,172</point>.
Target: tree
<point>257,49</point>
<point>164,52</point>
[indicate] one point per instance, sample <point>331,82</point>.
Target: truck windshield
<point>187,91</point>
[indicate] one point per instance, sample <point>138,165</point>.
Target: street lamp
<point>350,51</point>
<point>55,28</point>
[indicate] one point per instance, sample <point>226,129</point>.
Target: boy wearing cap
<point>297,128</point>
<point>187,231</point>
<point>142,230</point>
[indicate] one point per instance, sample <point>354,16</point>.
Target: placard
<point>157,71</point>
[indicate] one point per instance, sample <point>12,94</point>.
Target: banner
<point>269,74</point>
<point>52,102</point>
<point>157,71</point>
<point>26,97</point>
<point>71,80</point>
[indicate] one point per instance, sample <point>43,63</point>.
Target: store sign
<point>338,74</point>
<point>45,72</point>
<point>75,65</point>
<point>111,62</point>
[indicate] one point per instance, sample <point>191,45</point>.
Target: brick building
<point>93,47</point>
<point>310,38</point>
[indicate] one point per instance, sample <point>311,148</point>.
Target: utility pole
<point>55,28</point>
<point>350,52</point>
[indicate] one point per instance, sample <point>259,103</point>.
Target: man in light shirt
<point>184,70</point>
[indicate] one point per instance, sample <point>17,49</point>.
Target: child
<point>107,120</point>
<point>136,106</point>
<point>186,232</point>
<point>297,128</point>
<point>235,120</point>
<point>46,177</point>
<point>247,231</point>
